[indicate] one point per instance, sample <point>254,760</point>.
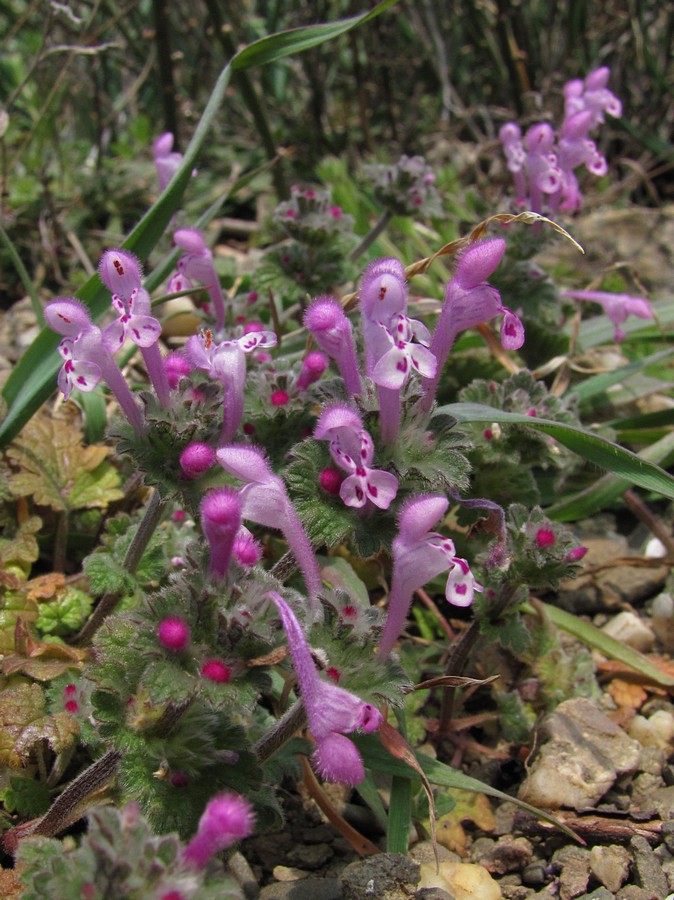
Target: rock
<point>288,873</point>
<point>648,874</point>
<point>310,856</point>
<point>423,852</point>
<point>664,803</point>
<point>667,834</point>
<point>463,881</point>
<point>582,754</point>
<point>573,865</point>
<point>656,731</point>
<point>632,892</point>
<point>535,874</point>
<point>432,894</point>
<point>388,876</point>
<point>630,629</point>
<point>515,892</point>
<point>662,612</point>
<point>611,586</point>
<point>319,834</point>
<point>510,854</point>
<point>308,889</point>
<point>601,893</point>
<point>610,865</point>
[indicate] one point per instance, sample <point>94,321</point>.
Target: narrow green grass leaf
<point>25,278</point>
<point>33,378</point>
<point>593,637</point>
<point>400,814</point>
<point>630,467</point>
<point>276,46</point>
<point>378,759</point>
<point>599,384</point>
<point>607,490</point>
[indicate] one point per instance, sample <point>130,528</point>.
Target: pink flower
<point>173,633</point>
<point>419,555</point>
<point>331,711</point>
<point>618,307</point>
<point>228,818</point>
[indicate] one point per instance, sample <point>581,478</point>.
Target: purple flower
<point>121,273</point>
<point>313,366</point>
<point>166,162</point>
<point>331,329</point>
<point>510,136</point>
<point>331,711</point>
<point>383,297</point>
<point>470,300</point>
<point>616,306</point>
<point>419,555</point>
<point>226,362</point>
<point>395,366</point>
<point>87,357</point>
<point>352,449</point>
<point>228,818</point>
<point>197,264</point>
<point>221,521</point>
<point>265,501</point>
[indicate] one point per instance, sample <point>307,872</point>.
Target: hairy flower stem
<point>461,651</point>
<point>289,723</point>
<point>134,554</point>
<point>371,236</point>
<point>70,805</point>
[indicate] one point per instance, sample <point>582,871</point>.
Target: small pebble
<point>534,874</point>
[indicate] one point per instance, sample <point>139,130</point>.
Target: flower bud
<point>173,633</point>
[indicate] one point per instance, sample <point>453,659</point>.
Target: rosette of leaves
<point>182,736</point>
<point>194,413</point>
<point>510,463</point>
<point>106,570</point>
<point>311,253</point>
<point>405,188</point>
<point>119,856</point>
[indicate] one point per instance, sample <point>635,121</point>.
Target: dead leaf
<point>24,724</point>
<point>469,807</point>
<point>625,694</point>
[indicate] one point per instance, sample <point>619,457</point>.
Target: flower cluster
<point>352,449</point>
<point>543,162</point>
<point>88,352</point>
<point>405,188</point>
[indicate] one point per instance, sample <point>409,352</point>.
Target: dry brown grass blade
<point>359,843</point>
<point>423,265</point>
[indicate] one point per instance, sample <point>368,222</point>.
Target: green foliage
<point>66,613</point>
<point>119,855</point>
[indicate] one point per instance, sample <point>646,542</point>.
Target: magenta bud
<point>173,633</point>
<point>313,367</point>
<point>196,459</point>
<point>545,537</point>
<point>279,398</point>
<point>331,480</point>
<point>228,818</point>
<point>575,554</point>
<point>120,272</point>
<point>221,520</point>
<point>176,367</point>
<point>479,261</point>
<point>216,670</point>
<point>190,240</point>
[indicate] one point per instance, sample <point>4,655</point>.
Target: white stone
<point>656,731</point>
<point>629,629</point>
<point>464,881</point>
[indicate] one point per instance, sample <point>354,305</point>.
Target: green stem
<point>289,723</point>
<point>372,235</point>
<point>253,102</point>
<point>134,554</point>
<point>22,272</point>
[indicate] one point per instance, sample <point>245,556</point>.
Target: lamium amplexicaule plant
<point>270,446</point>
